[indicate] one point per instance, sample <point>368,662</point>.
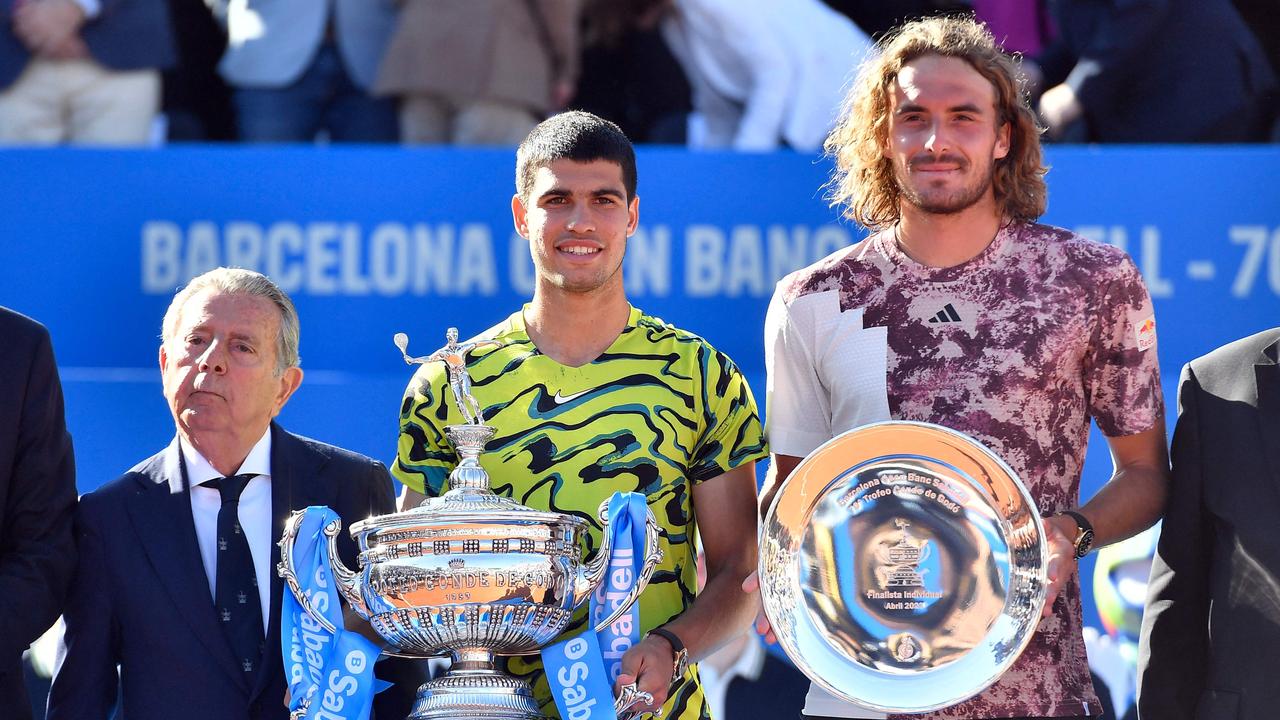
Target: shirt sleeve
<point>732,434</point>
<point>798,408</point>
<point>1121,373</point>
<point>424,456</point>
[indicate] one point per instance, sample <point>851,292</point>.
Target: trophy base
<point>475,694</point>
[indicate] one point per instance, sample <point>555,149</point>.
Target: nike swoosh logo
<point>562,399</point>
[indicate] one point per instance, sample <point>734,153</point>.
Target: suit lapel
<point>162,520</point>
<point>293,469</point>
<point>1267,374</point>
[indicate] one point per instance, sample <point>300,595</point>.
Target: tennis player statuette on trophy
<point>471,574</point>
<point>902,566</point>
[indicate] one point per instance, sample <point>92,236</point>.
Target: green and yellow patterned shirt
<point>658,412</point>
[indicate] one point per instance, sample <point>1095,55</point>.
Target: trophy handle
<point>629,696</point>
<point>652,556</point>
<point>345,579</point>
<point>591,574</point>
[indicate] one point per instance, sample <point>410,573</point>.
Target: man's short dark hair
<point>578,136</point>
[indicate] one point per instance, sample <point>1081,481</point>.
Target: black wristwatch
<point>1083,540</point>
<point>677,647</point>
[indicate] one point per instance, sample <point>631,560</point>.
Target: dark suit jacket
<point>141,598</point>
<point>1210,645</point>
<point>126,35</point>
<point>37,499</point>
<point>1160,70</point>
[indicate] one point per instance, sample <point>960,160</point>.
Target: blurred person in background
<point>197,102</point>
<point>764,74</point>
<point>81,71</point>
<point>629,75</point>
<point>482,72</point>
<point>1158,71</point>
<point>1264,23</point>
<point>1019,26</point>
<point>37,500</point>
<point>300,68</point>
<point>876,17</point>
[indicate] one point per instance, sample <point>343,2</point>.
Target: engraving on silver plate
<point>902,567</point>
<point>470,574</point>
<point>901,561</point>
<point>905,647</point>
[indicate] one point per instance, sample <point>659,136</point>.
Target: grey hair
<point>237,281</point>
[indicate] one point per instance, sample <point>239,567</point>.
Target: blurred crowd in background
<point>751,75</point>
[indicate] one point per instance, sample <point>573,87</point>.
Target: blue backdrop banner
<point>373,241</point>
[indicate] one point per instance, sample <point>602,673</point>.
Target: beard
<point>944,201</point>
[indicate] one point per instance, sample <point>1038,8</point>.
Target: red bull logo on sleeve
<point>1146,334</point>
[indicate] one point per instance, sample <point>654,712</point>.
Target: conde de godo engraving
<point>458,581</point>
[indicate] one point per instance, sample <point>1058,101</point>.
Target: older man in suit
<point>301,66</point>
<point>81,71</point>
<point>176,581</point>
<point>37,499</point>
<point>1210,641</point>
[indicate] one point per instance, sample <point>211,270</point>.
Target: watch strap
<point>1083,541</point>
<point>678,649</point>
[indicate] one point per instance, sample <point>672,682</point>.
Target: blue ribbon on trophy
<point>582,669</point>
<point>330,674</point>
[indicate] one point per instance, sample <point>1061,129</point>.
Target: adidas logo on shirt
<point>947,314</point>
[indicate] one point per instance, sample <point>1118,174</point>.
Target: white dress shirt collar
<point>200,471</point>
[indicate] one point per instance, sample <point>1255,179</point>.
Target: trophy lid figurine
<point>471,574</point>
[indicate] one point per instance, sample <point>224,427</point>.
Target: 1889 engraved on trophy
<point>471,574</point>
<point>902,566</point>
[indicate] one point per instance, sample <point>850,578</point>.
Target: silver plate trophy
<point>471,574</point>
<point>902,567</point>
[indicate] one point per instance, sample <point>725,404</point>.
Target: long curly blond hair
<point>863,181</point>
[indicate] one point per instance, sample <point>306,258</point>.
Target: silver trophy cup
<point>902,567</point>
<point>472,575</point>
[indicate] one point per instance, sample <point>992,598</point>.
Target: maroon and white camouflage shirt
<point>1018,347</point>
